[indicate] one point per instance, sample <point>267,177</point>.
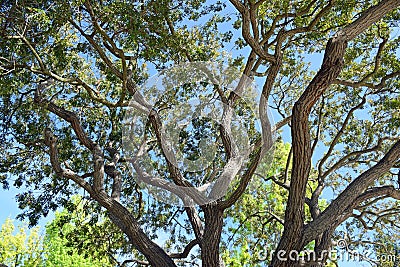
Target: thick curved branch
<point>351,194</point>
<point>331,67</point>
<point>177,177</point>
<point>367,18</point>
<point>120,215</point>
<point>246,24</point>
<point>51,142</point>
<point>283,35</point>
<point>281,123</point>
<point>265,143</point>
<point>70,117</point>
<point>375,192</point>
<point>235,160</point>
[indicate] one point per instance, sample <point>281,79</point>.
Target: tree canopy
<point>72,73</point>
<point>58,246</point>
<point>20,248</point>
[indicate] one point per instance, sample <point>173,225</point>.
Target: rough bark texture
<point>295,235</point>
<point>294,215</point>
<point>127,223</point>
<point>118,214</point>
<point>213,217</point>
<point>333,214</point>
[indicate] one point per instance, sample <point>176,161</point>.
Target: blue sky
<point>8,205</point>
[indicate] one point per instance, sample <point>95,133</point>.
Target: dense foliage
<point>29,248</point>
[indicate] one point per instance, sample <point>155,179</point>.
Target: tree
<point>61,247</point>
<point>70,71</point>
<point>65,242</point>
<point>21,248</point>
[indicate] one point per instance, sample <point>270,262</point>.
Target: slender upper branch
<point>339,134</point>
<point>186,251</point>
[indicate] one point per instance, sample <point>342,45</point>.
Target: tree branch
<point>186,251</point>
<point>98,158</point>
<point>330,69</point>
<point>51,142</point>
<point>338,135</point>
<point>351,194</point>
<point>246,23</point>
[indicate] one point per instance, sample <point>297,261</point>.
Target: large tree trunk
<point>214,221</point>
<point>294,238</point>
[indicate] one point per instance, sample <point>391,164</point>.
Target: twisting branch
<point>265,143</point>
<point>283,35</point>
<point>246,24</point>
<point>51,142</point>
<point>377,87</point>
<point>176,175</point>
<point>118,214</point>
<point>70,117</point>
<point>366,19</point>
